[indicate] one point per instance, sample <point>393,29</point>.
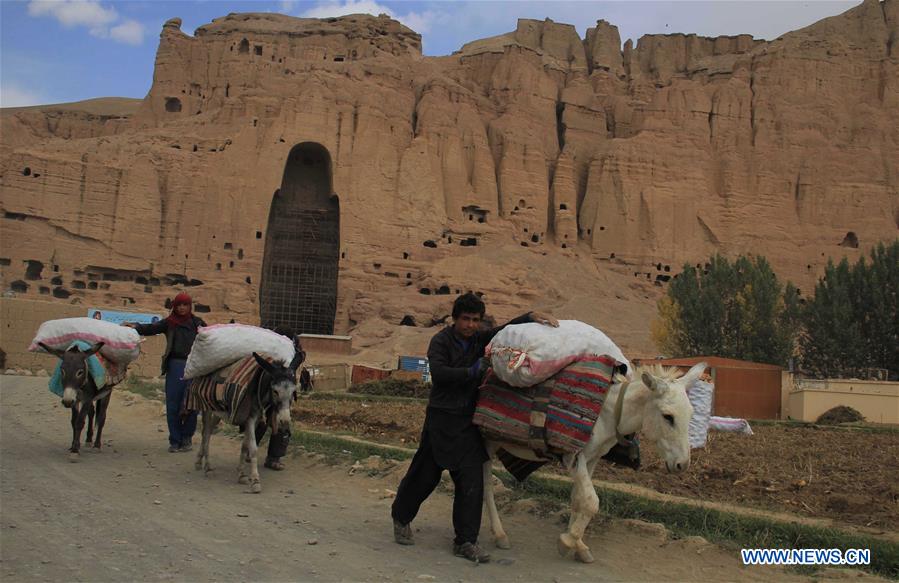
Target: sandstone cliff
<point>536,167</point>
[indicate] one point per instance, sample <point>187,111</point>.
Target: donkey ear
<point>266,366</point>
<point>695,372</point>
<point>54,351</point>
<point>93,349</point>
<point>649,381</point>
<point>298,359</point>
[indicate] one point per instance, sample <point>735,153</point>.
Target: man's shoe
<point>186,446</point>
<point>402,533</point>
<point>173,449</point>
<point>472,552</point>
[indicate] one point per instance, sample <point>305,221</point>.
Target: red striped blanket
<point>224,390</point>
<point>558,414</point>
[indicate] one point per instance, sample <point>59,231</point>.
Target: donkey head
<point>283,382</point>
<point>666,420</point>
<point>73,372</point>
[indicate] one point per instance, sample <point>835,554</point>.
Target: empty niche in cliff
<point>658,267</point>
<point>202,308</point>
<point>78,284</point>
<point>244,47</point>
<point>230,264</point>
<point>92,285</point>
<point>535,238</point>
<point>298,288</point>
<point>430,243</point>
<point>405,255</point>
<point>563,207</point>
<point>443,290</point>
<point>475,213</point>
<point>26,171</point>
<point>44,290</point>
<point>4,261</point>
<point>249,279</point>
<point>19,286</point>
<point>524,243</point>
<point>14,216</point>
<point>850,240</point>
<point>228,246</point>
<point>172,104</point>
<point>611,256</point>
<point>667,268</point>
<point>564,246</point>
<point>218,266</point>
<point>33,269</point>
<point>339,58</point>
<point>258,234</point>
<point>55,269</point>
<point>56,280</point>
<point>663,278</point>
<point>407,320</point>
<point>194,283</point>
<point>602,228</point>
<point>61,293</point>
<point>240,253</point>
<point>469,242</point>
<point>257,49</point>
<point>423,291</point>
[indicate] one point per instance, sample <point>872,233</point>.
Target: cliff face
<point>535,167</point>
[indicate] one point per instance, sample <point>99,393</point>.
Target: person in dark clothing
<point>449,439</point>
<point>180,329</point>
<point>279,440</point>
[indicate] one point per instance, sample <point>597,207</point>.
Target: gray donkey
<point>270,393</point>
<point>80,392</point>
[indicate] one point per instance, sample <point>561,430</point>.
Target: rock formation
<point>536,167</point>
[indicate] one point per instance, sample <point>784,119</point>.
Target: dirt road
<point>137,512</point>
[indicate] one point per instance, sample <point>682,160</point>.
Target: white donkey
<point>656,404</point>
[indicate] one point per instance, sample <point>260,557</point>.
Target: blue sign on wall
<point>115,317</point>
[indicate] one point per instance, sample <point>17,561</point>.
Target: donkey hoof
<point>502,542</point>
<point>583,554</point>
<point>74,456</point>
<point>198,465</point>
<point>243,480</point>
<point>566,544</point>
<point>256,488</point>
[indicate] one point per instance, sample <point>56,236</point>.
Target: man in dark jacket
<point>449,439</point>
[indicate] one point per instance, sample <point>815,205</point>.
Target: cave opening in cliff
<point>299,268</point>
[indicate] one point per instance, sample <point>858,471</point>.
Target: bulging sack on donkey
<point>121,345</point>
<point>525,355</point>
<point>222,345</point>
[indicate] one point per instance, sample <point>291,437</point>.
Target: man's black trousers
<point>424,475</point>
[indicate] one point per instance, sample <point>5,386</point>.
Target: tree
<point>852,323</point>
<point>735,310</point>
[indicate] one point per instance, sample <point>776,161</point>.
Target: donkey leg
<point>255,486</point>
<point>499,535</point>
<point>202,462</point>
<point>242,477</point>
<point>102,406</point>
<point>77,427</point>
<point>90,426</point>
<point>584,505</point>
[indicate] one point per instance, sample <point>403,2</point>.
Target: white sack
<point>120,344</point>
<point>700,395</point>
<point>730,424</point>
<point>524,355</point>
<point>219,346</point>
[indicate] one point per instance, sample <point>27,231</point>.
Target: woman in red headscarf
<point>180,329</point>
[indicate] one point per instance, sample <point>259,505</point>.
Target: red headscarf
<point>174,320</point>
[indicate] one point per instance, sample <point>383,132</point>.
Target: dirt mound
<point>841,414</point>
<point>394,388</point>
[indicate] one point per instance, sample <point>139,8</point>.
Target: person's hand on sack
<point>479,369</point>
<point>545,319</point>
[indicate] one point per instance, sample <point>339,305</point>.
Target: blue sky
<point>54,51</point>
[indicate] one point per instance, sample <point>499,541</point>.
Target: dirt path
<point>136,512</point>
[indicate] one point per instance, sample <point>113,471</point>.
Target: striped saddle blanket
<point>555,416</point>
<point>225,390</point>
